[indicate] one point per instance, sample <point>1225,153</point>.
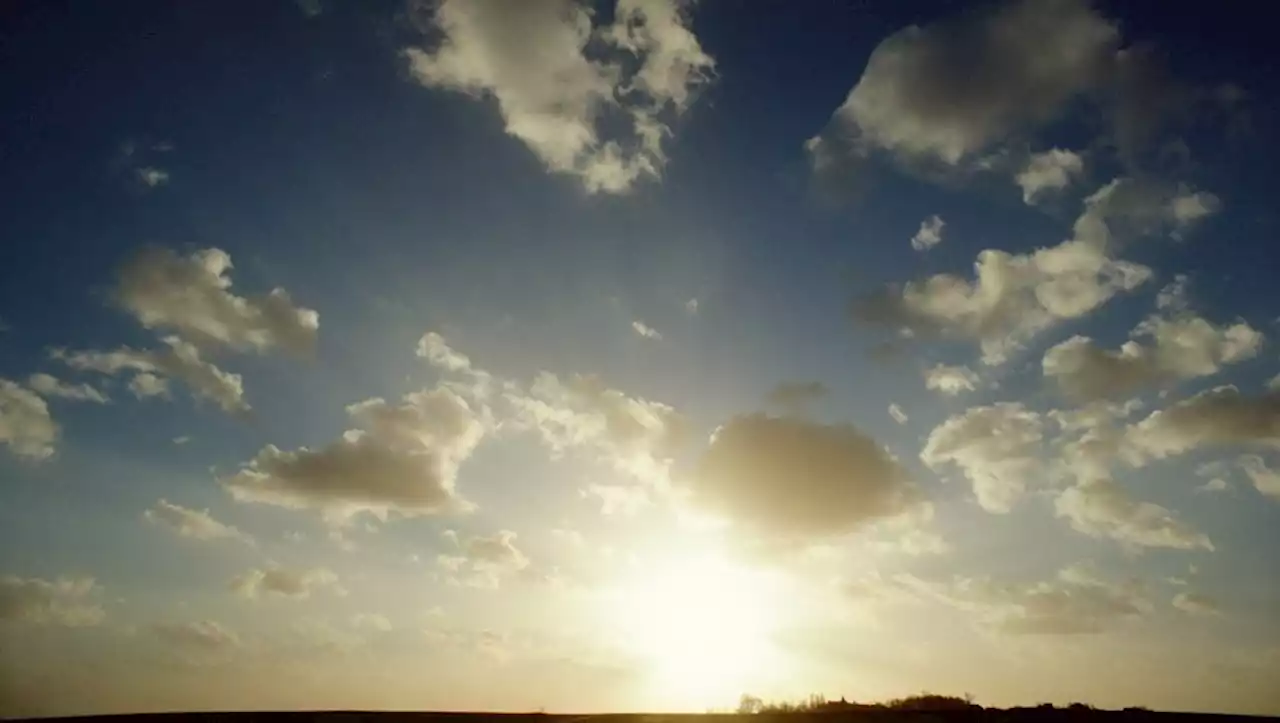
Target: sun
<point>701,625</point>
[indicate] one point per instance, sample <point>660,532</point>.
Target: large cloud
<point>1221,416</point>
<point>195,524</point>
<point>1177,347</point>
<point>25,425</point>
<point>557,80</point>
<point>150,369</point>
<point>68,601</point>
<point>1014,297</point>
<point>994,446</point>
<point>192,296</point>
<point>280,582</point>
<point>401,458</point>
<point>946,91</point>
<point>792,481</point>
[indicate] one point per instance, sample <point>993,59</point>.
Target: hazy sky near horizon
<point>637,354</point>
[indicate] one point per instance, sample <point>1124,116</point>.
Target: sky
<point>638,354</point>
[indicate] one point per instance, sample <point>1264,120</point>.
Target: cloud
<point>691,307</point>
<point>1048,172</point>
<point>1196,604</point>
<point>25,425</point>
<point>1101,508</point>
<point>401,458</point>
<point>634,435</point>
<point>1265,479</point>
<point>192,296</point>
<point>995,447</point>
<point>1015,297</point>
<point>180,360</point>
<point>279,582</point>
<point>47,386</point>
<point>438,353</point>
<point>557,80</point>
<point>486,561</point>
<point>1215,417</point>
<point>371,621</point>
<point>950,380</point>
<point>789,480</point>
<point>66,601</point>
<point>645,330</point>
<point>949,90</point>
<point>151,177</point>
<point>625,500</point>
<point>195,524</point>
<point>201,637</point>
<point>930,233</point>
<point>796,396</point>
<point>1179,346</point>
<point>898,415</point>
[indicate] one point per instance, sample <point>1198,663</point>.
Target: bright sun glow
<point>701,625</point>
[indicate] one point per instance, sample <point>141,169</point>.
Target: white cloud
<point>1101,508</point>
<point>948,90</point>
<point>181,360</point>
<point>994,446</point>
<point>1047,172</point>
<point>533,60</point>
<point>791,481</point>
<point>151,176</point>
<point>1178,347</point>
<point>1196,604</point>
<point>1215,417</point>
<point>645,330</point>
<point>47,385</point>
<point>25,425</point>
<point>67,601</point>
<point>1264,478</point>
<point>201,637</point>
<point>691,307</point>
<point>930,233</point>
<point>196,524</point>
<point>192,296</point>
<point>486,561</point>
<point>279,582</point>
<point>898,415</point>
<point>1215,484</point>
<point>438,353</point>
<point>950,380</point>
<point>401,458</point>
<point>1015,297</point>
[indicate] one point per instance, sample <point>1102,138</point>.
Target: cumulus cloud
<point>646,331</point>
<point>1102,508</point>
<point>930,233</point>
<point>558,80</point>
<point>192,296</point>
<point>486,561</point>
<point>25,425</point>
<point>950,380</point>
<point>195,524</point>
<point>898,415</point>
<point>66,601</point>
<point>150,369</point>
<point>1048,172</point>
<point>1264,478</point>
<point>279,582</point>
<point>1165,348</point>
<point>1221,416</point>
<point>200,637</point>
<point>1196,604</point>
<point>47,385</point>
<point>949,90</point>
<point>400,458</point>
<point>438,353</point>
<point>995,447</point>
<point>1015,297</point>
<point>796,396</point>
<point>792,481</point>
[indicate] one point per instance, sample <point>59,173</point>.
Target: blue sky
<point>662,350</point>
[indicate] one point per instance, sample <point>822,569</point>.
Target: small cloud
<point>1048,172</point>
<point>930,233</point>
<point>371,621</point>
<point>181,440</point>
<point>691,307</point>
<point>280,582</point>
<point>949,380</point>
<point>310,8</point>
<point>152,177</point>
<point>645,330</point>
<point>194,524</point>
<point>898,415</point>
<point>1196,604</point>
<point>49,386</point>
